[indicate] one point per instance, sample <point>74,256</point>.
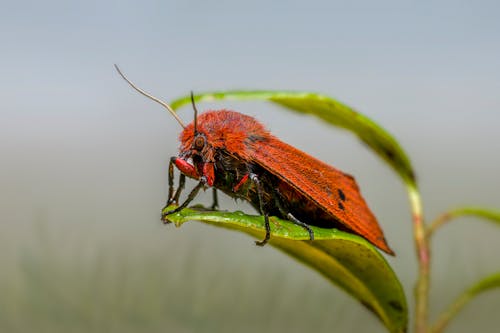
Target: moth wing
<point>334,191</point>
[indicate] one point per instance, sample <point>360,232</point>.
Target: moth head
<point>194,141</point>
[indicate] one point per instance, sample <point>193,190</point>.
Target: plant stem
<point>438,222</point>
<point>423,256</point>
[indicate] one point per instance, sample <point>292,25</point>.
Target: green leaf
<point>331,111</point>
<point>488,214</point>
<point>347,260</point>
<point>484,213</point>
<point>490,282</point>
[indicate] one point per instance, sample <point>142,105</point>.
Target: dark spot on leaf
<point>368,306</point>
<point>389,153</point>
<point>341,206</point>
<point>412,175</point>
<point>396,306</point>
<point>341,194</point>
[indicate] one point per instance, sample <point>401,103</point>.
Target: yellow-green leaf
<point>347,260</point>
<point>480,212</point>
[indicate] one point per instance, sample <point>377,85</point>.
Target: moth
<point>234,153</point>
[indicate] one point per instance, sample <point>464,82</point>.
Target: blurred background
<point>83,168</point>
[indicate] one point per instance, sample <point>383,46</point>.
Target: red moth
<point>236,154</point>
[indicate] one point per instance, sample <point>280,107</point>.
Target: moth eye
<point>199,143</point>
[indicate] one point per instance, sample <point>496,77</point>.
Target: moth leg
<point>190,198</point>
<point>182,183</point>
<point>290,216</point>
<point>257,182</point>
<point>302,224</point>
<point>170,181</point>
<point>215,202</point>
<point>173,197</point>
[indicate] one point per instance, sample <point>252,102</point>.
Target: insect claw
<point>311,234</point>
<point>268,233</point>
<point>164,215</point>
<point>164,219</point>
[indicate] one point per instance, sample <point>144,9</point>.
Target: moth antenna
<point>159,101</point>
<point>195,113</point>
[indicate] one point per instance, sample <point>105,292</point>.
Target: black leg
<point>215,203</point>
<point>302,224</point>
<point>257,182</point>
<point>190,198</point>
<point>268,232</point>
<point>182,183</point>
<point>170,181</point>
<point>173,197</point>
<point>290,217</point>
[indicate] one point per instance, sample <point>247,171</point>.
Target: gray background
<point>84,158</point>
